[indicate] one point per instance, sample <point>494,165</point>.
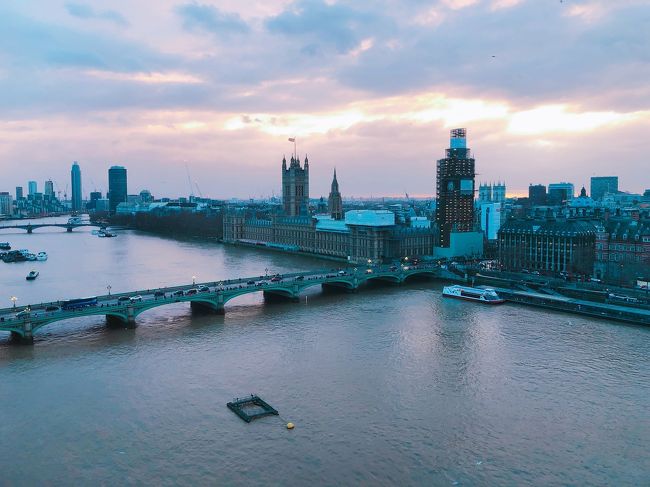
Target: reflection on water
<point>388,385</point>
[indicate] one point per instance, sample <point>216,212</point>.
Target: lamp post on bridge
<point>108,288</point>
<point>13,300</point>
<point>193,280</point>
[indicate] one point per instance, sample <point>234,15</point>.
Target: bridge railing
<point>9,313</point>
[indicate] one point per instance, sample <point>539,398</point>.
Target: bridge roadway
<point>122,309</point>
<point>30,227</point>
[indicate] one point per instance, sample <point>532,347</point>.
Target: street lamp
<point>14,299</point>
<point>108,288</point>
<point>266,271</point>
<point>193,280</point>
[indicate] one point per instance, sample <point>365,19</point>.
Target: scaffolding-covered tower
<point>455,189</point>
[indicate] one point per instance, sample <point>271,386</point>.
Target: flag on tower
<point>292,139</point>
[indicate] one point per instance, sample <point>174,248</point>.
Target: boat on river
<point>42,256</point>
<point>5,246</point>
<point>486,296</point>
<point>32,275</point>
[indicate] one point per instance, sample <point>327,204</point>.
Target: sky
<point>201,95</point>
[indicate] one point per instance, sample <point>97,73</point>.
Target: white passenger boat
<point>42,256</point>
<point>487,296</point>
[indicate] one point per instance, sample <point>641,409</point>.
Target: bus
<point>71,304</point>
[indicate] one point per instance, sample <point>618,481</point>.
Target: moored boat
<point>42,256</point>
<point>32,275</point>
<point>5,246</point>
<point>487,296</point>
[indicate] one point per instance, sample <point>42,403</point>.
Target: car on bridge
<point>52,308</point>
<point>24,313</point>
<point>299,278</point>
<point>135,298</point>
<point>204,289</point>
<point>276,279</point>
<point>159,294</point>
<point>123,299</point>
<point>250,283</point>
<point>192,291</point>
<point>178,293</point>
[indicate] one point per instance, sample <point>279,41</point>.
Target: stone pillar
<point>130,321</point>
<point>24,338</point>
<point>69,229</point>
<point>221,310</point>
<point>29,229</point>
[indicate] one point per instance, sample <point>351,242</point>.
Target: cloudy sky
<point>549,90</point>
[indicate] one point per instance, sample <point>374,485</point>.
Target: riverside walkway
<point>122,309</point>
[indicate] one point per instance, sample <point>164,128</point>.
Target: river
<point>390,385</point>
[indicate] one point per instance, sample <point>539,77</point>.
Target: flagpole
<point>295,151</point>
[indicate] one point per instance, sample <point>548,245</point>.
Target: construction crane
<point>58,190</point>
<point>198,189</point>
<point>189,180</point>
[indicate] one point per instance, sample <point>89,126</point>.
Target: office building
<point>490,219</point>
<point>455,189</point>
<point>19,192</point>
<point>537,194</point>
<point>117,187</point>
<point>547,245</point>
<point>75,177</point>
<point>32,188</point>
<point>6,205</point>
<point>601,185</point>
<point>49,188</point>
<point>559,193</point>
<point>622,249</point>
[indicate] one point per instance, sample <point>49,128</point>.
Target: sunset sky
<point>549,91</point>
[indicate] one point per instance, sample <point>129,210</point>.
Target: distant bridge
<point>120,310</point>
<point>30,227</point>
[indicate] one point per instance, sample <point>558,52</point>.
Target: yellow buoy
<point>290,426</point>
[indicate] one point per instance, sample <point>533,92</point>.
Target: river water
<point>391,385</point>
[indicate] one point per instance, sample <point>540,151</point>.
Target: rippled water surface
<point>391,385</point>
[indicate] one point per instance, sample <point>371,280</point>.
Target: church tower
<point>335,202</point>
<point>295,187</point>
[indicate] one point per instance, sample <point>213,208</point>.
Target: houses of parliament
<point>355,236</point>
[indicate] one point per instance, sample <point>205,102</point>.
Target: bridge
<point>30,227</point>
<point>121,310</point>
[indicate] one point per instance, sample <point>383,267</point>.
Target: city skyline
<point>546,94</point>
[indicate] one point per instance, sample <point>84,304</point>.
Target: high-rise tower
<point>49,188</point>
<point>455,189</point>
<point>75,177</point>
<point>335,202</point>
<point>117,188</point>
<point>295,187</point>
